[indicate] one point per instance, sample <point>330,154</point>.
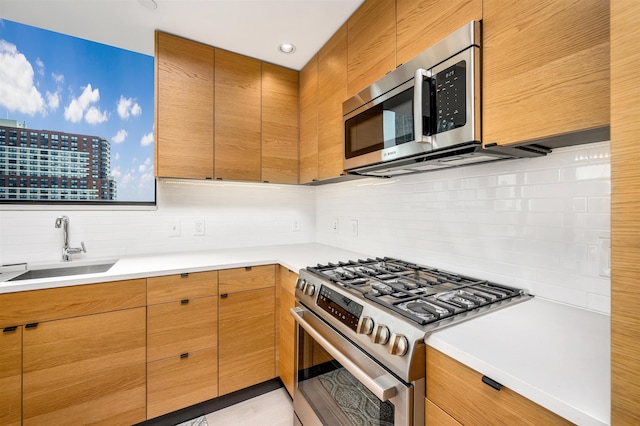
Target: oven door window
<point>384,125</point>
<point>334,394</point>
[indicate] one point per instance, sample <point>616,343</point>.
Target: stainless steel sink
<point>63,271</point>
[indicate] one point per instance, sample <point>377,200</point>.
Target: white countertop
<point>294,257</point>
<point>553,354</point>
<point>556,355</point>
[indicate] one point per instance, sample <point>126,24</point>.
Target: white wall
<point>532,223</point>
<point>235,215</point>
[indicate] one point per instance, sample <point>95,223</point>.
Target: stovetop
<point>420,294</point>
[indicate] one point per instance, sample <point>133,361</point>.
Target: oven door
<point>337,384</point>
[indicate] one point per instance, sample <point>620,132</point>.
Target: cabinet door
<point>279,124</point>
<point>546,69</point>
<point>184,108</point>
<point>246,339</point>
<point>89,369</point>
<point>11,376</point>
<point>309,121</point>
<point>459,391</point>
<point>286,339</point>
<point>332,92</point>
<point>181,381</point>
<point>422,23</point>
<point>434,416</point>
<point>178,327</point>
<point>371,43</point>
<point>237,110</point>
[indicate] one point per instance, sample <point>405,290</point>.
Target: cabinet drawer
<point>249,278</point>
<point>65,302</point>
<point>459,391</point>
<point>171,288</point>
<point>434,416</point>
<point>287,280</point>
<point>180,381</point>
<point>177,327</point>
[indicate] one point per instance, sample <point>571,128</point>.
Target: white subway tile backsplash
<point>531,222</point>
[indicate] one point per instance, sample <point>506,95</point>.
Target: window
<point>81,123</point>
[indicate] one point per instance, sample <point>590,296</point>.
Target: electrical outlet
<point>354,227</point>
<point>604,257</point>
<point>334,225</point>
<point>174,228</point>
<point>198,227</point>
<point>295,224</point>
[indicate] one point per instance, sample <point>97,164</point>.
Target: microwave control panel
<point>451,95</point>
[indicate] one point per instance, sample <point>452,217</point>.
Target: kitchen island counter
<point>556,355</point>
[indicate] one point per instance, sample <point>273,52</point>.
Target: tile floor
<point>270,409</point>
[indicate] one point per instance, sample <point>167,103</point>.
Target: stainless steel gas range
<point>360,336</point>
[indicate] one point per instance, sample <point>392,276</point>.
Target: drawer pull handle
<point>184,302</point>
<point>184,275</point>
<point>248,268</point>
<point>224,295</point>
<point>32,325</point>
<point>10,329</point>
<point>184,355</point>
<point>488,381</point>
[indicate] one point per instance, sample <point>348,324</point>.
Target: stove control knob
<point>309,289</point>
<point>365,326</point>
<point>300,283</point>
<point>399,345</point>
<point>380,334</point>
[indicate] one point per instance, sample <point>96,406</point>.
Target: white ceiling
<point>251,27</point>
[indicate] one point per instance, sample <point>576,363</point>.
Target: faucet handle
<point>84,249</point>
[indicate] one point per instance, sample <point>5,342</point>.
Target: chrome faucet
<point>63,222</point>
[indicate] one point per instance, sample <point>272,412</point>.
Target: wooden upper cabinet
<point>309,121</point>
<point>279,124</point>
<point>237,116</point>
<point>546,69</point>
<point>183,108</point>
<point>371,43</point>
<point>332,92</point>
<point>422,23</point>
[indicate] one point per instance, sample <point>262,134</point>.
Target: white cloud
<point>17,90</point>
<point>95,116</point>
<point>77,107</point>
<point>145,166</point>
<point>142,168</point>
<point>116,173</point>
<point>147,139</point>
<point>119,138</point>
<point>53,100</point>
<point>117,156</point>
<point>58,78</point>
<point>128,107</point>
<point>40,66</point>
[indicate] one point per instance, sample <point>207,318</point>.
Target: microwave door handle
<point>420,75</point>
<point>377,386</point>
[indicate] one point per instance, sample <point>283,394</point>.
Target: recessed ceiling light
<point>149,4</point>
<point>286,48</point>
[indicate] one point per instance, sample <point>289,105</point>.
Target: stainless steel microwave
<point>424,115</point>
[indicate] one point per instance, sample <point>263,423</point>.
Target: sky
<point>53,81</point>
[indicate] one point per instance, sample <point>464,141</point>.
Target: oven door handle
<point>383,386</point>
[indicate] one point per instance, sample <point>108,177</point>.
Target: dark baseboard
<point>206,407</point>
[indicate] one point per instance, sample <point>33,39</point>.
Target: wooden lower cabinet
<point>435,416</point>
<point>459,391</point>
<point>86,370</point>
<point>181,381</point>
<point>286,327</point>
<point>11,376</point>
<point>246,339</point>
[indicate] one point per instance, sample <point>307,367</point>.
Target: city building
<point>52,165</point>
